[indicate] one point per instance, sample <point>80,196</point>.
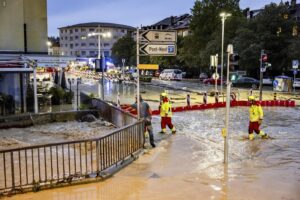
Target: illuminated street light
<point>105,35</point>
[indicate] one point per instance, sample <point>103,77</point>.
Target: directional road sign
<point>295,64</point>
<point>158,49</point>
<point>159,36</point>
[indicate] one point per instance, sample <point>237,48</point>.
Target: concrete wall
<point>13,15</point>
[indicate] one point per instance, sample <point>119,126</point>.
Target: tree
<point>206,30</point>
<point>270,30</point>
<point>124,48</point>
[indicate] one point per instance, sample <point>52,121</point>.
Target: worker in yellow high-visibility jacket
<point>166,114</point>
<point>256,117</point>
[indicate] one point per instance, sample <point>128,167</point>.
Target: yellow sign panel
<point>148,66</point>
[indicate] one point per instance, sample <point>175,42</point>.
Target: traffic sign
<point>295,71</point>
<point>295,64</point>
<point>215,76</point>
<point>148,66</point>
<point>158,49</point>
<point>159,36</point>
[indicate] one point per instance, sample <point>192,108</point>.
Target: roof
<point>101,24</point>
<point>175,22</point>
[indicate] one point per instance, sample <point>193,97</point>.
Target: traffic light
<point>98,65</point>
<point>264,58</point>
<point>234,61</point>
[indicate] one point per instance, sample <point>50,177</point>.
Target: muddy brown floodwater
<point>189,165</point>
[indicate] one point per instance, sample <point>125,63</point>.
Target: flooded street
<point>189,165</point>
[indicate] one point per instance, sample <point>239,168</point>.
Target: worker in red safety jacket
<point>166,114</point>
<point>256,117</point>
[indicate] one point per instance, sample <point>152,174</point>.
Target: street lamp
<point>223,16</point>
<point>78,81</point>
<point>105,35</point>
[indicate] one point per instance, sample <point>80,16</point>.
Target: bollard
<point>205,98</point>
<point>188,100</point>
<point>217,97</point>
<point>118,100</point>
<point>250,92</point>
<point>275,96</point>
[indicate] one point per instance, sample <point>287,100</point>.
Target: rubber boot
<point>173,130</point>
<point>263,135</point>
<point>163,131</point>
<point>251,136</point>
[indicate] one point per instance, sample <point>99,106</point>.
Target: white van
<point>171,74</point>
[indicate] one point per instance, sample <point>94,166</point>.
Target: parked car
<point>211,81</point>
<point>267,81</point>
<point>202,76</point>
<point>296,83</point>
<point>246,82</point>
<point>171,74</point>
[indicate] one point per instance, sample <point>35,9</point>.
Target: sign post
<point>153,43</point>
<point>295,67</point>
<point>123,62</point>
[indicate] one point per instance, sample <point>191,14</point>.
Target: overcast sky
<point>128,12</point>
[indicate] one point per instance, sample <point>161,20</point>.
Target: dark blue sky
<point>129,12</point>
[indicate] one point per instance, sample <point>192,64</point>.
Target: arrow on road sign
<point>159,49</point>
<point>159,36</point>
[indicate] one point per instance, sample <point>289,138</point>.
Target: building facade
<point>23,26</point>
<point>75,39</point>
<point>179,23</point>
<point>23,32</point>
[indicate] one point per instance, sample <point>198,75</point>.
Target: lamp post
<point>223,16</point>
<point>107,34</point>
<point>78,81</point>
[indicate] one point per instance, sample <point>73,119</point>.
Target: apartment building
<point>76,41</point>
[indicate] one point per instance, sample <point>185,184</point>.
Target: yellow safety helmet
<point>251,98</point>
<point>163,94</point>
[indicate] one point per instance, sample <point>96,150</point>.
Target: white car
<point>171,74</point>
<point>296,83</point>
<point>267,81</point>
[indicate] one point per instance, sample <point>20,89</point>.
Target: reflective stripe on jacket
<point>256,113</point>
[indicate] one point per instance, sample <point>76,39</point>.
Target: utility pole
<point>138,71</point>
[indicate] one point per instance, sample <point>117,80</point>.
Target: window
<point>106,53</point>
<point>76,44</point>
<point>76,30</point>
<point>71,38</point>
<point>71,46</point>
<point>66,38</point>
<point>92,44</point>
<point>66,45</point>
<point>91,29</point>
<point>122,30</point>
<point>92,53</point>
<point>62,38</point>
<point>82,29</point>
<point>61,31</point>
<point>83,44</point>
<point>71,31</point>
<point>66,30</point>
<point>106,44</point>
<point>76,37</point>
<point>83,53</point>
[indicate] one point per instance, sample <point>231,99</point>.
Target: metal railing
<point>52,164</point>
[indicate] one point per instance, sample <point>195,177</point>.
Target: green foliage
<point>58,95</point>
<point>125,48</point>
<point>206,31</point>
<point>271,32</point>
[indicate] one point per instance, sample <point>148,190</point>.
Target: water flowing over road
<point>189,165</point>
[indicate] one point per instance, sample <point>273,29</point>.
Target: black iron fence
<point>51,164</point>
